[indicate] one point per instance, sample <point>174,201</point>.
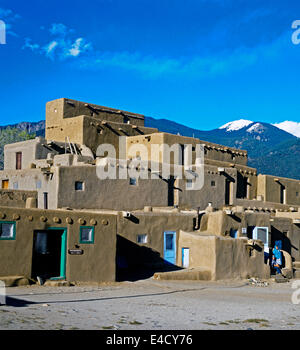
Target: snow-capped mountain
<point>236,125</point>
<point>289,126</point>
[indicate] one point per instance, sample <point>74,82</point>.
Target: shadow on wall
<point>277,235</point>
<point>135,262</point>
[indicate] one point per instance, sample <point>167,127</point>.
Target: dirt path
<point>152,305</point>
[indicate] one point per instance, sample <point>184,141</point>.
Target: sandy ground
<point>152,305</point>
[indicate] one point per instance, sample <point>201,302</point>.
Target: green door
<point>49,253</point>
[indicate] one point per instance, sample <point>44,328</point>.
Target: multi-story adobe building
<point>100,198</point>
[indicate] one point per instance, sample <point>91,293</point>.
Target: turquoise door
<point>170,247</point>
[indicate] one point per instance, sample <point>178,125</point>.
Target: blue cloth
<point>277,254</point>
<point>278,244</point>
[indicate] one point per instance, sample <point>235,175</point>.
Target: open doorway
<point>49,254</point>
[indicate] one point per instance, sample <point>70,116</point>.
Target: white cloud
<point>290,127</point>
<point>78,47</point>
<point>9,17</point>
<point>29,45</point>
<point>49,48</point>
<point>62,46</point>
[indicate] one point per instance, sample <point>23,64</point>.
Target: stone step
<point>281,279</point>
<point>14,281</point>
<point>296,264</point>
<point>297,273</point>
<point>57,283</point>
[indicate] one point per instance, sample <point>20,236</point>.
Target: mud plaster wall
<point>270,189</point>
<point>109,193</point>
<point>219,223</point>
<point>154,225</point>
<point>233,259</point>
<point>89,128</point>
<point>15,198</point>
<point>96,264</point>
<point>30,149</point>
<point>226,258</point>
<point>212,151</point>
<point>34,179</point>
<point>202,251</point>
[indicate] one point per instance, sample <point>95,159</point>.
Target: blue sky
<point>202,63</point>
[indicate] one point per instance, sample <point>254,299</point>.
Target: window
<point>86,234</point>
<point>282,194</point>
<point>7,230</point>
<point>297,194</point>
<point>189,183</point>
<point>15,185</point>
<point>233,233</point>
<point>38,184</point>
<point>5,184</point>
<point>169,241</point>
<point>142,238</point>
<point>132,181</point>
<point>79,186</point>
<point>213,183</point>
<point>19,160</point>
<point>262,234</point>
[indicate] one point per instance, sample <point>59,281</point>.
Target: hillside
<point>11,135</point>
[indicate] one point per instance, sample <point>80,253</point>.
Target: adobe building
<point>62,219</point>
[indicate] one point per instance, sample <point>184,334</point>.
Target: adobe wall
<point>89,124</point>
<point>212,151</point>
<point>219,223</point>
<point>31,150</point>
<point>34,180</point>
<point>95,265</point>
<point>236,259</point>
<point>225,258</point>
<point>202,251</point>
<point>153,224</point>
<point>67,108</point>
<point>16,198</point>
<point>269,187</point>
<point>116,194</point>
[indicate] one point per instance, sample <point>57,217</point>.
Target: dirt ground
<point>152,305</point>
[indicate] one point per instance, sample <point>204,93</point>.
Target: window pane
<point>79,186</point>
<point>41,243</point>
<point>189,183</point>
<point>262,234</point>
<point>86,234</point>
<point>7,230</point>
<point>142,238</point>
<point>132,181</point>
<point>169,241</point>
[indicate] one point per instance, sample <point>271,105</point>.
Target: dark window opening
<point>79,186</point>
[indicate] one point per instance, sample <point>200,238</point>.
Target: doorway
<point>170,247</point>
<point>185,257</point>
<point>49,253</point>
<point>227,192</point>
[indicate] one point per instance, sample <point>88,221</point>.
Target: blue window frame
<point>7,230</point>
<point>87,234</point>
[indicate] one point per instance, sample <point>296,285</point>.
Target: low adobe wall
<point>224,257</point>
<point>17,198</point>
